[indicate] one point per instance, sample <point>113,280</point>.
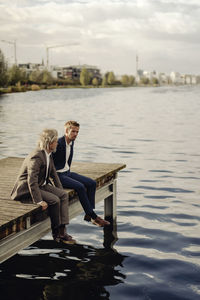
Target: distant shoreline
<point>35,87</point>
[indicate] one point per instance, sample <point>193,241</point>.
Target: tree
<point>131,79</point>
<point>104,80</point>
<point>45,77</point>
<point>155,81</point>
<point>15,75</point>
<point>34,76</point>
<point>85,77</point>
<point>111,78</point>
<point>3,70</point>
<point>144,80</point>
<point>41,77</point>
<point>125,80</point>
<point>24,76</point>
<point>95,82</point>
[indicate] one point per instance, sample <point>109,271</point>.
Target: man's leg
<point>54,210</point>
<point>64,203</point>
<point>79,187</point>
<point>89,184</point>
<point>68,181</point>
<point>58,212</point>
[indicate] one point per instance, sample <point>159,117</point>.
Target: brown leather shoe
<point>67,239</point>
<point>100,222</point>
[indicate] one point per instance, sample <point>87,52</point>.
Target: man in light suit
<point>84,186</point>
<point>34,183</point>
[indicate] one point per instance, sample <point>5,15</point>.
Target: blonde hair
<point>69,124</point>
<point>47,137</point>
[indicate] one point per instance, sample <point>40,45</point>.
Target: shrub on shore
<point>13,89</point>
<point>35,87</point>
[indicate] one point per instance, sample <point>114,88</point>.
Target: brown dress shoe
<point>100,222</point>
<point>67,239</point>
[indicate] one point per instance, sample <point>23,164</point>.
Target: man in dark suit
<point>34,182</point>
<point>84,186</point>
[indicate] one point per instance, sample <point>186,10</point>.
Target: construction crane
<point>14,44</point>
<point>57,46</point>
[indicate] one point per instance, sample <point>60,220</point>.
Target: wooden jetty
<point>23,224</point>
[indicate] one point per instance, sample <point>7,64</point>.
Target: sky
<point>164,34</point>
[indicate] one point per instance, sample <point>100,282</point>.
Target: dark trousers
<point>85,188</point>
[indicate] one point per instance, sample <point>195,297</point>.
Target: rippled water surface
<point>156,133</point>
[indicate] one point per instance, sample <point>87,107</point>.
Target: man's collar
<point>47,154</point>
<point>67,143</point>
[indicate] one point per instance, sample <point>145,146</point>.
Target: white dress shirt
<point>48,160</point>
<point>66,167</point>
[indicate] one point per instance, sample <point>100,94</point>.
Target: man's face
<point>53,146</point>
<point>72,133</point>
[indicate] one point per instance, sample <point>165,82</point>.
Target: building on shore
<point>173,78</point>
<point>73,72</point>
<point>178,78</point>
<point>31,67</point>
<point>163,78</point>
<point>68,72</point>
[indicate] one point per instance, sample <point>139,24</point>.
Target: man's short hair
<point>69,124</point>
<point>48,136</point>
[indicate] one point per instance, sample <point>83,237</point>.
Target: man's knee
<point>80,187</point>
<point>92,184</point>
<point>55,200</point>
<point>65,197</point>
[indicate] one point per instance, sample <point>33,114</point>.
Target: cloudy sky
<point>108,34</point>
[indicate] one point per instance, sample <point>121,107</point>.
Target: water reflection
<point>62,271</point>
<point>110,234</point>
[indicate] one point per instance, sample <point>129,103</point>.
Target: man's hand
<point>43,204</point>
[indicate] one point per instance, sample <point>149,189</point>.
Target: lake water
<point>156,133</point>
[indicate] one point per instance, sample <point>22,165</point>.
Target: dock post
<point>110,203</point>
<point>110,214</point>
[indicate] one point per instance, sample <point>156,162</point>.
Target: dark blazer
<point>32,175</point>
<point>59,156</point>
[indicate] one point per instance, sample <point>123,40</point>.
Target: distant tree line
<point>17,78</point>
